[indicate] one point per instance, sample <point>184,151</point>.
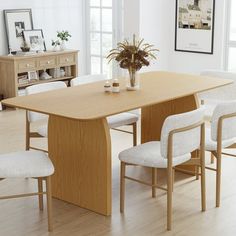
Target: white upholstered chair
<point>221,135</point>
<point>209,99</point>
<point>27,164</point>
<point>213,97</point>
<point>115,121</point>
<point>42,131</point>
<point>181,134</point>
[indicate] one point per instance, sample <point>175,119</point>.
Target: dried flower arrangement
<point>133,56</point>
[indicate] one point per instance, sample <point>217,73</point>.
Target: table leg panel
<point>154,116</point>
<point>81,154</point>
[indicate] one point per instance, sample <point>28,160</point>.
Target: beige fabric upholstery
<point>43,130</point>
<point>149,155</point>
<point>121,119</point>
<point>25,164</point>
<point>154,154</point>
<point>229,125</point>
<point>215,96</point>
<point>211,145</point>
<point>39,88</point>
<point>183,142</point>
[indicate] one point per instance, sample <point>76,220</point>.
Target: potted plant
<point>132,56</point>
<point>64,37</point>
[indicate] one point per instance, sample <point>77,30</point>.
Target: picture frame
<point>17,20</point>
<point>33,76</point>
<point>35,40</point>
<point>194,26</point>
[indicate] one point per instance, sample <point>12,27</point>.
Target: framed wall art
<point>34,39</point>
<point>194,29</point>
<point>16,21</point>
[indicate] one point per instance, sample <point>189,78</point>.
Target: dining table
<point>79,140</point>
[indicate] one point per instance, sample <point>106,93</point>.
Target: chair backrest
<point>39,88</point>
<point>85,79</point>
<point>186,141</point>
<point>228,124</point>
<point>227,92</point>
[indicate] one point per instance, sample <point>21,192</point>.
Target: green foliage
<point>63,35</point>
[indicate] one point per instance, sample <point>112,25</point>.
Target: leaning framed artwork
<point>34,39</point>
<point>16,21</point>
<point>194,26</point>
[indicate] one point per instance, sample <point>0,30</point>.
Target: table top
<point>89,101</point>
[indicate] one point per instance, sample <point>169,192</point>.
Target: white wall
<point>131,18</point>
<point>193,62</point>
<point>153,31</point>
<point>157,25</point>
<point>153,20</point>
<point>50,15</point>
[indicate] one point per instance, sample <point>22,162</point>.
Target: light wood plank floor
<point>143,214</point>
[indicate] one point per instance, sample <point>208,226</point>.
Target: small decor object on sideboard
<point>25,47</point>
<point>133,56</point>
<point>44,75</point>
<point>33,76</point>
<point>64,37</point>
<point>34,38</point>
<point>16,21</point>
<point>56,44</point>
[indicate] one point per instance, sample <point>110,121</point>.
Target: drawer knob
<point>67,59</point>
<point>48,62</point>
<point>28,65</point>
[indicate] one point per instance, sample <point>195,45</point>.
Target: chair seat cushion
<point>25,164</point>
<point>211,145</point>
<point>121,119</point>
<point>43,130</point>
<point>148,154</point>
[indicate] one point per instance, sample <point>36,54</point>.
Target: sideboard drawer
<point>67,59</point>
<point>47,62</point>
<point>27,65</point>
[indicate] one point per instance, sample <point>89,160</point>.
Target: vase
<point>132,81</point>
<point>63,45</point>
<point>56,48</point>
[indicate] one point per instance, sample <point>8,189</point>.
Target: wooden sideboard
<point>12,67</point>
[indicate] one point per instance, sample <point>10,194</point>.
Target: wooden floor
<point>143,214</point>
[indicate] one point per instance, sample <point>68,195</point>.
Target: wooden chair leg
<point>49,203</point>
<point>173,181</point>
<point>40,189</point>
<point>154,181</point>
<point>203,182</point>
<point>134,134</point>
<point>212,158</point>
<point>122,186</point>
<point>169,198</point>
<point>197,172</point>
<point>218,179</point>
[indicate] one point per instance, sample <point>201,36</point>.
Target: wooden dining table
<point>79,142</point>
